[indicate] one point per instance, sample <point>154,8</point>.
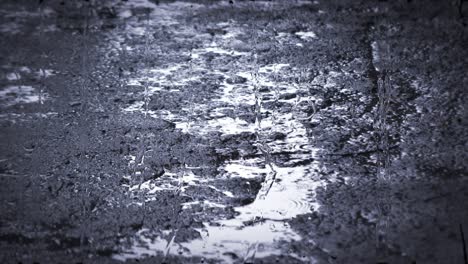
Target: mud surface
<point>147,131</point>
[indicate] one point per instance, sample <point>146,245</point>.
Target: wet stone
<point>263,47</point>
<point>75,103</point>
<point>264,89</point>
<point>236,80</point>
<point>277,136</point>
<point>287,96</point>
<point>155,173</point>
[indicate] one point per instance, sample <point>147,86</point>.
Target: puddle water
<point>213,48</point>
<point>24,94</point>
<point>13,94</point>
<point>306,35</point>
<point>10,28</point>
<point>288,189</point>
<point>13,76</point>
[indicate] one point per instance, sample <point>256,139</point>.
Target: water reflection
<point>287,189</point>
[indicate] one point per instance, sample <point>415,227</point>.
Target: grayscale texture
<point>146,131</point>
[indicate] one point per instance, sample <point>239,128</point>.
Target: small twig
<point>364,152</point>
<point>460,8</point>
<point>8,175</point>
<point>465,256</point>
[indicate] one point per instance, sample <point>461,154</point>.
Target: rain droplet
<point>204,233</point>
<point>260,247</point>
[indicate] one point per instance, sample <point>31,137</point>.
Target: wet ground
<point>148,131</point>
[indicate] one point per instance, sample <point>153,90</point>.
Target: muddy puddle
<point>231,132</point>
<point>287,188</point>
